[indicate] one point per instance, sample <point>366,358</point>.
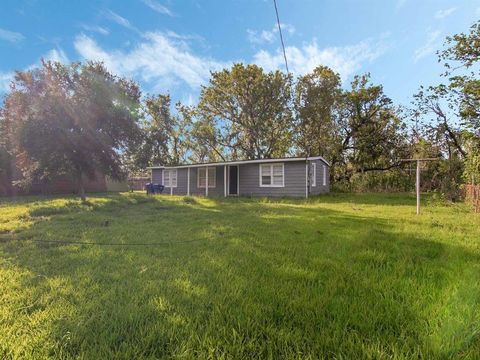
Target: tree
<point>202,137</point>
<point>316,102</point>
<point>471,172</point>
<point>250,111</point>
<point>72,120</point>
<point>463,53</point>
<point>162,139</point>
<point>373,137</point>
<point>437,106</point>
<point>451,111</point>
<point>10,122</point>
<point>5,155</point>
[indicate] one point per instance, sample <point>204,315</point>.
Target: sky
<point>171,46</point>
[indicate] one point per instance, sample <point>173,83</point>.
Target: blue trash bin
<point>150,188</point>
<point>158,189</point>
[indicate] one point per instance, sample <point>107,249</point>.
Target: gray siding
<point>294,180</point>
<point>216,191</point>
<point>182,176</point>
<point>157,176</point>
<point>249,181</point>
<point>181,188</point>
<point>320,188</point>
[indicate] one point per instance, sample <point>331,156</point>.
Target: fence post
<point>472,196</point>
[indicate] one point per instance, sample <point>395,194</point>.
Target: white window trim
<point>260,166</point>
<point>210,186</point>
<point>324,175</point>
<point>171,171</point>
<point>313,175</point>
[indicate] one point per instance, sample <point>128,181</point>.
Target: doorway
<point>233,180</point>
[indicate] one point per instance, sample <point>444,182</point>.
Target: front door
<point>233,180</point>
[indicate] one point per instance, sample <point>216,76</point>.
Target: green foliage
<point>250,111</point>
<point>463,53</point>
<point>451,112</point>
<point>372,135</point>
<point>162,140</point>
<point>471,171</point>
<point>464,48</point>
<point>5,165</point>
<point>203,137</point>
<point>316,103</point>
<point>6,153</point>
<point>247,113</point>
<point>391,181</point>
<point>355,276</point>
<point>72,119</point>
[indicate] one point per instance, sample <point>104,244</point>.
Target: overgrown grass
<point>339,276</point>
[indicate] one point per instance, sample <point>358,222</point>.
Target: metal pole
<point>225,180</point>
<point>418,187</point>
<point>418,177</point>
<point>306,180</point>
<point>188,181</point>
<point>206,181</point>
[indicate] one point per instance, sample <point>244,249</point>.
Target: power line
<point>281,36</point>
<point>68,242</point>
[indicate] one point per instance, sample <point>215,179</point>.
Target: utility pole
<point>417,178</point>
<point>418,187</point>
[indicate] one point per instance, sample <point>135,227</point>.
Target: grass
<point>339,276</point>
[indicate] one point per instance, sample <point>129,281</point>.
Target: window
<point>170,178</point>
<point>271,175</point>
<point>202,177</point>
<point>313,174</point>
<point>324,175</point>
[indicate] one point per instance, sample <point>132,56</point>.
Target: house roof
<point>238,162</point>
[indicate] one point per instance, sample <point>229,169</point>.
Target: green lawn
<point>338,276</point>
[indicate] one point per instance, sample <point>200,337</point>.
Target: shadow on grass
<point>262,281</point>
<point>384,199</point>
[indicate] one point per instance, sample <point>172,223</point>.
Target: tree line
<point>79,120</point>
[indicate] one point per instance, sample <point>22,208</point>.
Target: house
<point>296,176</point>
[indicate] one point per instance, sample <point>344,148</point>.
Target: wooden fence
<point>472,196</point>
<point>138,183</point>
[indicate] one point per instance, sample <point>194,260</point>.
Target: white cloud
<point>11,36</point>
<point>345,60</point>
<point>159,59</point>
<point>259,37</point>
<point>98,29</point>
<point>268,36</point>
<point>154,5</point>
<point>89,50</point>
<point>120,20</point>
<point>57,55</point>
<point>189,99</point>
<point>52,55</point>
<point>5,79</point>
<point>429,47</point>
<point>442,14</point>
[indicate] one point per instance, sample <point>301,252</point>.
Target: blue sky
<point>170,46</point>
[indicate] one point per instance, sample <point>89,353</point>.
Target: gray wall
<point>320,188</point>
<point>216,191</point>
<point>157,176</point>
<point>249,181</point>
<point>294,180</point>
<point>182,176</point>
